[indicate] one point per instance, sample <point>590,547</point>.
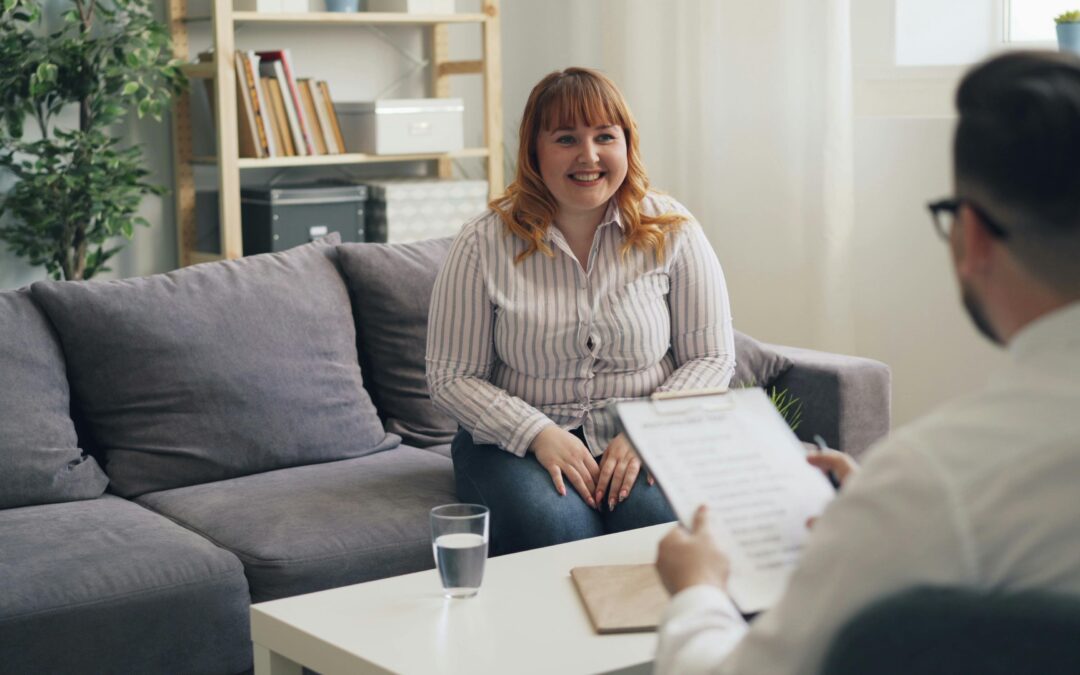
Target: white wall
<point>906,307</point>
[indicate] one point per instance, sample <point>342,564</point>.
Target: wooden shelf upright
<point>224,21</point>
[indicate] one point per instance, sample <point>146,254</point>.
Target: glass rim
<point>480,510</point>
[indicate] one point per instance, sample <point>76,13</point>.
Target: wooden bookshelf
<point>224,23</point>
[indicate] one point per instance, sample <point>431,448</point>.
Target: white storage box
<point>409,209</point>
<point>412,6</point>
<point>402,126</point>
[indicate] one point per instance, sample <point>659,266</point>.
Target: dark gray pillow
<point>40,459</point>
<point>755,364</point>
<point>391,286</point>
<point>217,370</point>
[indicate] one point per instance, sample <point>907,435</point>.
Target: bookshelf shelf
<point>220,76</point>
<point>349,158</point>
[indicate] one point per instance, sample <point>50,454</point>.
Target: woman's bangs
<point>575,101</point>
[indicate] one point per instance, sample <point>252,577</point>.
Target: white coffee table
<point>527,618</point>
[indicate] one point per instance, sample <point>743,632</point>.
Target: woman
<point>579,287</point>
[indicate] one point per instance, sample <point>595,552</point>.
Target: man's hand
<point>619,468</point>
<point>563,454</point>
<point>691,558</point>
<point>841,465</point>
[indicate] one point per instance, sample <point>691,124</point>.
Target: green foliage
<point>77,188</point>
<point>1068,17</point>
<point>790,407</point>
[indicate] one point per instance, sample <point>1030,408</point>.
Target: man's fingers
<point>832,460</point>
<point>701,518</point>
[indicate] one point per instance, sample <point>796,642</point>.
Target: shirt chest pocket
<point>640,320</point>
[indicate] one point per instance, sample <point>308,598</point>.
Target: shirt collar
<point>1059,328</point>
<point>611,215</point>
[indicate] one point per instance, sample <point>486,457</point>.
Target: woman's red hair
<point>566,99</point>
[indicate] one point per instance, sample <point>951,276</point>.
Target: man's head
<point>1017,173</point>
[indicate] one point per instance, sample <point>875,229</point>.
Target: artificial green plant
<point>77,188</point>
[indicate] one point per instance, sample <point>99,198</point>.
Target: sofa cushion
<point>315,527</point>
<point>106,586</point>
<point>217,370</point>
<point>40,459</point>
<point>390,286</point>
<point>756,364</point>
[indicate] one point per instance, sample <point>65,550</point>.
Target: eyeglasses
<point>944,211</point>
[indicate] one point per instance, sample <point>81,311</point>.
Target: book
<point>275,70</point>
<point>324,119</point>
<point>734,453</point>
<point>313,119</point>
<point>248,135</point>
<point>271,117</point>
<point>332,112</point>
<point>621,598</point>
<point>277,105</point>
<point>282,63</point>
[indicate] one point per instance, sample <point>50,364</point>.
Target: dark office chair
<point>939,631</point>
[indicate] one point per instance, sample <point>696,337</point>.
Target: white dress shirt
<point>513,347</point>
<point>982,493</point>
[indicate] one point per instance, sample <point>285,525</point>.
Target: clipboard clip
<point>710,399</point>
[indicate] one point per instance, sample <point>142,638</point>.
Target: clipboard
<point>732,451</point>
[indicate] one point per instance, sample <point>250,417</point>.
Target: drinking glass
<point>459,540</point>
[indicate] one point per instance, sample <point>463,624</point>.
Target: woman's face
<point>583,167</point>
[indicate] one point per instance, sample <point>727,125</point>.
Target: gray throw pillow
<point>40,459</point>
<point>218,370</point>
<point>391,286</point>
<point>756,365</point>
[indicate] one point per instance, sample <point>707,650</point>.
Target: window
<point>1033,20</point>
<point>928,35</point>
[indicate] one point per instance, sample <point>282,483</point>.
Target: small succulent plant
<point>1068,17</point>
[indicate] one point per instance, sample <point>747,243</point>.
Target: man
<point>983,492</point>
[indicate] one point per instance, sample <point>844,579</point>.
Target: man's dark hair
<point>1017,155</point>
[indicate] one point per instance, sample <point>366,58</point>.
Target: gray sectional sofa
<point>175,447</point>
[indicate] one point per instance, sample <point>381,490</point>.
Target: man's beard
<point>978,316</point>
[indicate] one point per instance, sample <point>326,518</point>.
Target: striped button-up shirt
<point>514,347</point>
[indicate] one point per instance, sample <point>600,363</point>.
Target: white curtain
<point>746,117</point>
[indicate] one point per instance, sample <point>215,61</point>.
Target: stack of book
<point>279,114</point>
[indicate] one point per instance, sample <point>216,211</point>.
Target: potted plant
<point>76,187</point>
<point>1068,31</point>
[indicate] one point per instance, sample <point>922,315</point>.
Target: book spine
<point>262,110</point>
<point>305,131</point>
<point>313,120</point>
<point>333,115</point>
<point>251,144</point>
<point>278,104</point>
<point>260,132</point>
<point>324,119</point>
<point>271,116</point>
<point>278,72</point>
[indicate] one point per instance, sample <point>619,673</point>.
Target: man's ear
<point>972,242</point>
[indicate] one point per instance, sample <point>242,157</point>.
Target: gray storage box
<point>280,217</point>
<point>410,209</point>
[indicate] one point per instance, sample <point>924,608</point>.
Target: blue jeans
<point>527,512</point>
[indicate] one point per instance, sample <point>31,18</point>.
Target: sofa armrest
<point>846,399</point>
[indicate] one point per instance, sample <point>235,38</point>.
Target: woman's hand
<point>563,454</point>
<point>619,468</point>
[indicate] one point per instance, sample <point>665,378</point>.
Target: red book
<point>282,56</point>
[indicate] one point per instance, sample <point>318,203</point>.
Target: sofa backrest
<point>40,458</point>
<point>217,370</point>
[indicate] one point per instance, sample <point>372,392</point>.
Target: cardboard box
<point>402,126</point>
<point>410,209</point>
